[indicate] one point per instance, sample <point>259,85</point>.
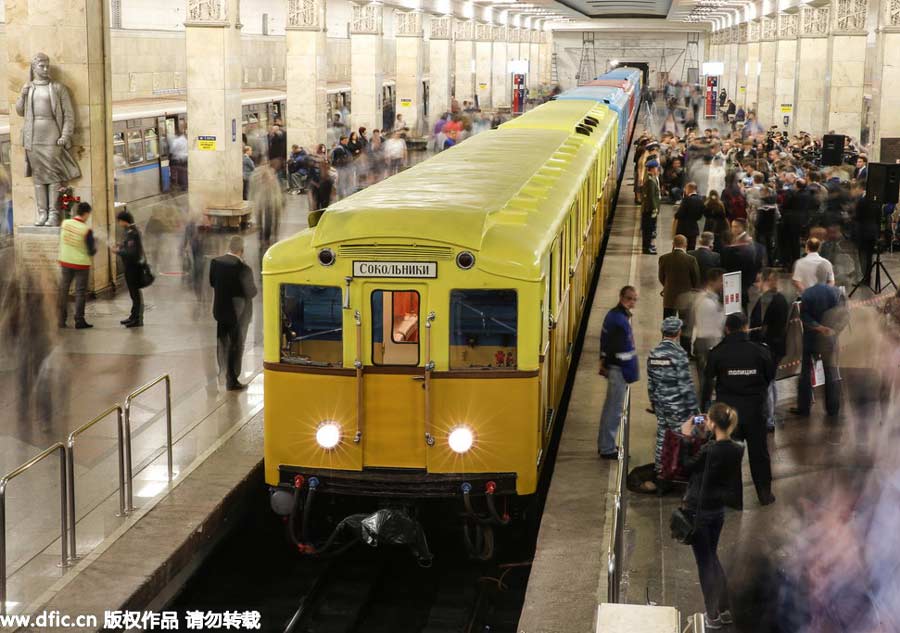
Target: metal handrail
<point>70,450</point>
<point>129,475</point>
<point>63,472</point>
<point>615,553</point>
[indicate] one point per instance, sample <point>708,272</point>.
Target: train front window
<point>395,327</point>
<point>311,325</point>
<point>483,329</point>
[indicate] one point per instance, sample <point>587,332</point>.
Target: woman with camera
<point>715,482</point>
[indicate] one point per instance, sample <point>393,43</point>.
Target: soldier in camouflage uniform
<point>670,384</point>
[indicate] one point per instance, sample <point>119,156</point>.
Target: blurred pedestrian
<point>131,250</point>
<point>76,247</point>
<point>232,283</point>
<point>706,257</point>
<point>247,167</point>
<point>268,202</point>
<point>709,321</point>
<point>768,325</point>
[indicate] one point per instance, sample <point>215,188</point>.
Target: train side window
<point>119,159</point>
<point>311,325</point>
<point>4,152</point>
<point>395,327</point>
<point>483,329</point>
<point>135,147</point>
<point>151,144</point>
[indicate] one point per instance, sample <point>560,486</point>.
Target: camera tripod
<point>877,268</point>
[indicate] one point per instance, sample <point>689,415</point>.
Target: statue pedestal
<point>230,217</point>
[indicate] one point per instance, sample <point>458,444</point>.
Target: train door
<point>394,382</point>
<point>163,124</point>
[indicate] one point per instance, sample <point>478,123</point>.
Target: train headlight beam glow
<point>461,439</point>
<point>328,435</point>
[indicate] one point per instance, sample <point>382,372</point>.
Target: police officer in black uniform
<point>741,371</point>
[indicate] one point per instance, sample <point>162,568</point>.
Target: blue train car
<point>618,102</point>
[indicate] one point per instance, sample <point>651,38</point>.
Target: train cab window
<point>395,327</point>
<point>311,325</point>
<point>151,144</point>
<point>135,147</point>
<point>4,152</point>
<point>483,329</point>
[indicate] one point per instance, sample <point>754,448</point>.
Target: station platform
<point>570,574</point>
<point>99,367</point>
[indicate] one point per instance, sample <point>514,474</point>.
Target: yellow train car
<point>418,338</point>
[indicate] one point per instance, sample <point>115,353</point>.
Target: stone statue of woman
<point>47,137</point>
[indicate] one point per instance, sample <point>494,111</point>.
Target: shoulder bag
<point>683,525</point>
<point>147,277</point>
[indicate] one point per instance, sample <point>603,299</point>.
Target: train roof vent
<point>583,129</point>
<point>589,120</point>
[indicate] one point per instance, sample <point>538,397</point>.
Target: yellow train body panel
<point>375,326</point>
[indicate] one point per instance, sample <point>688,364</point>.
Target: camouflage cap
<point>671,326</point>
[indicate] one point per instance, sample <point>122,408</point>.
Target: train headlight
<point>461,439</point>
<point>328,435</point>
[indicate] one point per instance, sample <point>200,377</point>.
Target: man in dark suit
<point>689,214</point>
<point>649,206</point>
<point>679,275</point>
<point>706,257</point>
<point>232,282</point>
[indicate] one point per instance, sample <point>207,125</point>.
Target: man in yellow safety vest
<point>76,247</point>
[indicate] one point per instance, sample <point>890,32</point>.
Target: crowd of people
<point>802,235</point>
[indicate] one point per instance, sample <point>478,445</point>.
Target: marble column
<point>785,69</point>
<point>766,101</point>
<point>735,66</point>
<point>74,34</point>
<point>534,52</point>
<point>812,64</point>
<point>410,67</point>
<point>847,66</point>
<point>525,52</point>
<point>306,73</point>
<point>500,81</point>
<point>440,65</point>
<point>484,59</point>
<point>464,43</point>
<point>743,70</point>
<point>215,148</point>
<point>751,97</point>
<point>885,94</point>
<point>366,67</point>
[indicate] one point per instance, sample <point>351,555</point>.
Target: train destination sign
<point>405,270</point>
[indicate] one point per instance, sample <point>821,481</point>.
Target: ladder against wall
<point>587,65</point>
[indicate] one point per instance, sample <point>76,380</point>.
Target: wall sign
<point>731,292</point>
<point>206,143</point>
<point>405,103</point>
<point>405,270</point>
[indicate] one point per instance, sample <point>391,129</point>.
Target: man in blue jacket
<point>619,363</point>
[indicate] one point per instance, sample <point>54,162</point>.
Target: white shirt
<point>805,270</point>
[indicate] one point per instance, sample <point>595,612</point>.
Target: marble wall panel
<point>440,69</point>
<point>464,87</point>
<point>752,94</point>
<point>499,80</point>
